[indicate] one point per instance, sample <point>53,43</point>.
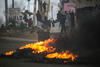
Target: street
<point>73,27</point>
<point>85,50</point>
<point>26,63</point>
<point>8,45</point>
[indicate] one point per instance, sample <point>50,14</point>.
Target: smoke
<point>89,30</point>
<point>87,34</point>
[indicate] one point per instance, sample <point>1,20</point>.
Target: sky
<point>23,5</point>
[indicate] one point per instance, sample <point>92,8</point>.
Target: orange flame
<point>9,53</point>
<point>62,55</point>
<point>40,47</point>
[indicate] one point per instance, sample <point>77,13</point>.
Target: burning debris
<point>41,46</point>
<point>43,51</point>
<point>62,55</point>
<point>9,53</point>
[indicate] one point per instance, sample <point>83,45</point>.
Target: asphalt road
<point>26,63</point>
<point>8,45</point>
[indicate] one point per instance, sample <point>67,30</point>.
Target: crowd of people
<point>43,6</point>
<point>42,20</point>
<point>42,23</point>
<point>61,18</point>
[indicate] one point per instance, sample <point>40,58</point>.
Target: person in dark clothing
<point>62,23</point>
<point>39,20</point>
<point>45,25</point>
<point>30,22</point>
<point>61,18</point>
<point>44,6</point>
<point>38,16</point>
<point>58,16</point>
<point>72,20</point>
<point>41,5</point>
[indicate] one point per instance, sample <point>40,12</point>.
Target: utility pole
<point>52,11</point>
<point>34,21</point>
<point>39,6</point>
<point>34,14</point>
<point>6,11</point>
<point>48,7</point>
<point>13,5</point>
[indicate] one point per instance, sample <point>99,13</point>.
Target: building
<point>83,3</point>
<point>86,3</point>
<point>15,14</point>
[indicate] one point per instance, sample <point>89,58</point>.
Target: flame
<point>37,47</point>
<point>62,55</point>
<point>9,53</point>
<point>41,46</point>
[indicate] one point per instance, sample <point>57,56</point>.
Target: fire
<point>9,53</point>
<point>37,47</point>
<point>62,55</point>
<point>43,46</point>
<point>40,47</point>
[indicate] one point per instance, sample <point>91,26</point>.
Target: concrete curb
<point>18,39</point>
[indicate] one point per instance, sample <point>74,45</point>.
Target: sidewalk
<point>18,39</point>
<point>20,36</point>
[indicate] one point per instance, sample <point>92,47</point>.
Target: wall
<point>85,3</point>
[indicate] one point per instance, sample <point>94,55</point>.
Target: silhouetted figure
<point>2,26</point>
<point>40,2</point>
<point>58,16</point>
<point>72,20</point>
<point>39,19</point>
<point>38,16</point>
<point>30,22</point>
<point>61,18</point>
<point>44,6</point>
<point>45,22</point>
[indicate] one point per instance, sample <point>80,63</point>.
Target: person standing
<point>39,19</point>
<point>44,6</point>
<point>30,22</point>
<point>72,20</point>
<point>61,18</point>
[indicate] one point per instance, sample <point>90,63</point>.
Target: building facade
<point>84,3</point>
<point>15,14</point>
